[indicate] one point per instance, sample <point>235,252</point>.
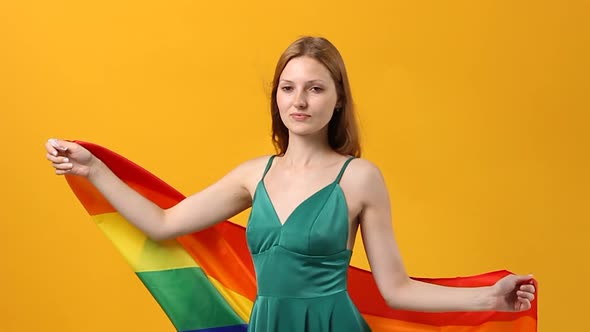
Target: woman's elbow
<point>395,296</point>
<point>165,230</point>
<point>393,302</point>
<point>160,234</point>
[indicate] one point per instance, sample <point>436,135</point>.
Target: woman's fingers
<point>61,163</point>
<point>62,172</point>
<point>55,146</point>
<point>525,295</point>
<point>62,166</point>
<point>51,150</point>
<point>523,304</point>
<point>528,288</point>
<point>57,159</point>
<point>58,144</point>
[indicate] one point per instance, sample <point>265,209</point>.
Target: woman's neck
<point>306,151</point>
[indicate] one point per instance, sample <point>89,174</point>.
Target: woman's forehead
<point>305,69</point>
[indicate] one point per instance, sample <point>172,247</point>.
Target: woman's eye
<point>316,89</point>
<point>286,88</point>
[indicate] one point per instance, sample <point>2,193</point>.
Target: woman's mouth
<point>300,116</point>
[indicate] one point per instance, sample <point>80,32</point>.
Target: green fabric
<point>189,299</point>
<point>301,266</point>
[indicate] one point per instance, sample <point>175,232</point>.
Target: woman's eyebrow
<point>310,81</point>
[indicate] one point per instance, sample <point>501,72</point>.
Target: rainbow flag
<point>205,281</point>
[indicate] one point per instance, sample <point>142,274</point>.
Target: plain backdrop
<point>476,113</point>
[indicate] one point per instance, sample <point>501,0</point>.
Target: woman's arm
<point>214,204</point>
<point>402,292</point>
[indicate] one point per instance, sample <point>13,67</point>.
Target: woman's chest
<point>318,225</point>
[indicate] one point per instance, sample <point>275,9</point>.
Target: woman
<point>307,203</point>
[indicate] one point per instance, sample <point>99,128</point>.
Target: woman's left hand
<point>513,293</point>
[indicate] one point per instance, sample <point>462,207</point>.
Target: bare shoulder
<point>363,181</point>
<point>362,173</point>
<point>253,167</point>
<point>249,172</point>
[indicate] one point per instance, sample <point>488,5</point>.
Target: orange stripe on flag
<point>380,324</point>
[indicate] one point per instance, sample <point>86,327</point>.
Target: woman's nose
<point>300,100</point>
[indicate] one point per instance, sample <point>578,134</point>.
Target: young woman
<point>307,203</point>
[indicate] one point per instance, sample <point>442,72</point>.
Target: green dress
<point>301,266</point>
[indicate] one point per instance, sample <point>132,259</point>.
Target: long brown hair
<point>343,134</point>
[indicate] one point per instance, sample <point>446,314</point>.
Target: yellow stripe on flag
<point>241,304</point>
<point>140,252</point>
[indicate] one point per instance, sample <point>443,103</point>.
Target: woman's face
<point>306,96</point>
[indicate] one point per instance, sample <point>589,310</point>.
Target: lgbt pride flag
<point>205,281</point>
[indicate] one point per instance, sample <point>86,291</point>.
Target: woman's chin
<point>305,132</point>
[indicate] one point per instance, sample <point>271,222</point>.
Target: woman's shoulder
<point>363,183</point>
<point>362,172</point>
<point>257,162</point>
<point>248,173</point>
<point>362,166</point>
<point>254,166</point>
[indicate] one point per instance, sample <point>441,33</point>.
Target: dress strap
<point>268,164</point>
<point>343,169</point>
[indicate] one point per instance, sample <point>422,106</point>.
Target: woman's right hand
<point>69,157</point>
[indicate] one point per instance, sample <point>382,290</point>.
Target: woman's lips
<point>300,116</point>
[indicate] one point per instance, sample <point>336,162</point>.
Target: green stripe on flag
<point>189,299</point>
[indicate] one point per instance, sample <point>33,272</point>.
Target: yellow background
<point>476,112</point>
